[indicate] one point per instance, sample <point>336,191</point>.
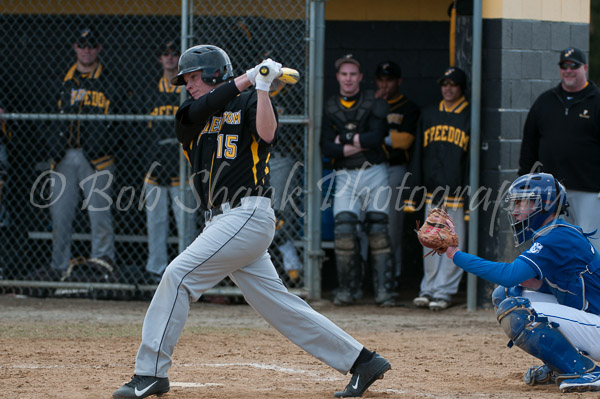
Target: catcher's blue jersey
<point>568,264</point>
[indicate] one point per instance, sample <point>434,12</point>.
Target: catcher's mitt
<point>437,232</point>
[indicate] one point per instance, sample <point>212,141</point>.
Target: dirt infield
<point>60,348</point>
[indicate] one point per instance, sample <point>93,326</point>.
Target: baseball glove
<point>437,232</point>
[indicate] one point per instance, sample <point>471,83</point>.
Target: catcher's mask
<point>211,60</point>
<point>544,195</point>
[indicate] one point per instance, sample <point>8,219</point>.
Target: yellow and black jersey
<point>441,153</point>
<point>162,145</point>
<point>93,93</point>
<point>402,120</point>
<point>218,135</point>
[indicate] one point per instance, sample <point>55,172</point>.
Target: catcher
<point>548,301</point>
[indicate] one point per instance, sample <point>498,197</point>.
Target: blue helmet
<point>546,197</point>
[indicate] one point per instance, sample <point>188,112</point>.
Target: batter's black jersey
<point>163,146</point>
<point>218,135</point>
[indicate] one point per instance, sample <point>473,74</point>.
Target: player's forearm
<point>242,82</point>
<point>266,123</point>
<point>506,274</point>
<point>350,150</point>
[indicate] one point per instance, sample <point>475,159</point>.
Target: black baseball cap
<point>168,47</point>
<point>346,59</point>
<point>389,68</point>
<point>456,75</point>
<point>87,38</point>
<point>572,54</point>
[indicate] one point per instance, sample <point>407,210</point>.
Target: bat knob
<point>264,70</point>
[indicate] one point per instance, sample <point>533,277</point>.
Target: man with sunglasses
<point>440,166</point>
<point>81,154</point>
<point>562,137</point>
<point>162,167</point>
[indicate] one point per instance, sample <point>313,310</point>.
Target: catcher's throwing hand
<point>437,232</point>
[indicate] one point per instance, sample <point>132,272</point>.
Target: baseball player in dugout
<point>353,131</point>
<point>81,153</point>
<point>227,132</point>
<point>402,126</point>
<point>162,179</point>
<point>561,136</point>
<point>440,166</point>
<point>548,298</point>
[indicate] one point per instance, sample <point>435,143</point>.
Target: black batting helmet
<point>213,61</point>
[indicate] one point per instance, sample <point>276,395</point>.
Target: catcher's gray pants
<point>73,172</point>
<point>396,175</point>
<point>441,276</point>
<point>157,219</point>
<point>235,244</point>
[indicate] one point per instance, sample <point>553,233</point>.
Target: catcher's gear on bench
<point>437,232</point>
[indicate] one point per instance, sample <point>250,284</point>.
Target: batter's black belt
<point>218,210</point>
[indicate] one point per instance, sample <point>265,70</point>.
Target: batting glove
<point>268,71</point>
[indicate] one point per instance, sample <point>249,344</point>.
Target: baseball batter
<point>226,134</point>
<point>548,301</point>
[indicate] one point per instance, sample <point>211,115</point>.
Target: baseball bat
<point>288,75</point>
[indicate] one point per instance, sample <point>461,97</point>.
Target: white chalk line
<point>315,376</point>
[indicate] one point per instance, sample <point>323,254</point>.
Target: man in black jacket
<point>562,137</point>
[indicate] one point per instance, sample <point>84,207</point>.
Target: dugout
<point>519,45</point>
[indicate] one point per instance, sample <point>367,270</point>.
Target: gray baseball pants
<point>72,173</point>
<point>235,244</point>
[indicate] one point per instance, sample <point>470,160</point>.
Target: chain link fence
<point>96,238</point>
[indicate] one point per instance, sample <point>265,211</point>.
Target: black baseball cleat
<point>365,375</point>
<point>142,386</point>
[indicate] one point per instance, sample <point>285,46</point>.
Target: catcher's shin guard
<point>347,255</point>
<point>541,338</point>
<point>381,256</point>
